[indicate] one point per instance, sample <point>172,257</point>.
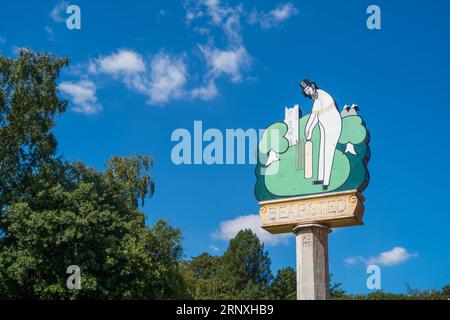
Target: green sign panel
<point>321,152</point>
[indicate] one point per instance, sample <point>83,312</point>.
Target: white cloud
<point>228,230</point>
<point>213,248</point>
<point>283,12</point>
<point>58,12</point>
<point>168,77</point>
<point>232,27</point>
<point>218,14</point>
<point>229,62</point>
<point>207,92</point>
<point>215,10</point>
<point>121,62</point>
<point>393,257</point>
<point>212,8</point>
<point>162,78</point>
<point>353,260</point>
<point>83,96</point>
<point>50,33</point>
<point>274,17</point>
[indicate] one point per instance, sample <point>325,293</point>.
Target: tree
<point>244,272</point>
<point>284,285</point>
<point>131,178</point>
<point>446,291</point>
<point>54,214</point>
<point>336,291</point>
<point>411,294</point>
<point>80,219</point>
<point>200,274</point>
<point>28,104</point>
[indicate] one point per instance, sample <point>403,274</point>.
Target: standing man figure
<point>326,115</point>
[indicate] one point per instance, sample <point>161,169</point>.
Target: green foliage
<point>200,275</point>
<point>446,291</point>
<point>28,104</point>
<point>81,220</point>
<point>244,272</point>
<point>411,294</point>
<point>54,214</point>
<point>336,291</point>
<point>132,176</point>
<point>284,285</point>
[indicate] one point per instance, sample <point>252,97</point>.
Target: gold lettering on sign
<point>293,211</point>
<point>302,210</point>
<point>319,209</point>
<point>284,212</point>
<point>336,210</point>
<point>344,206</point>
<point>332,207</point>
<point>273,213</point>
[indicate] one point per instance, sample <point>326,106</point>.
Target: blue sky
<point>141,69</point>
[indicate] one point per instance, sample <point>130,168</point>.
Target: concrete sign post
<point>310,174</point>
<point>312,260</point>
